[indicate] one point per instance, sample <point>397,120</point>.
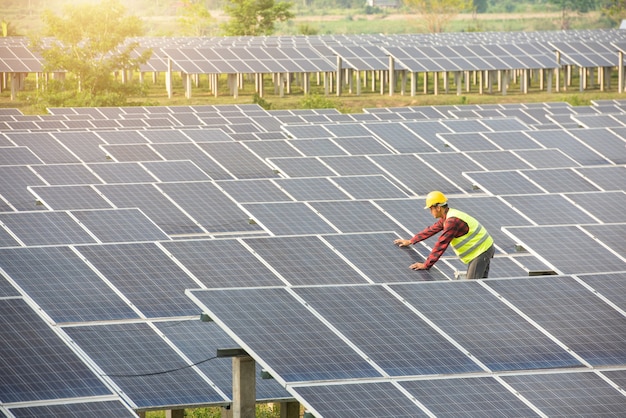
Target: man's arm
<point>422,235</point>
<point>453,227</point>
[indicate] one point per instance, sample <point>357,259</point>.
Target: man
<point>469,239</point>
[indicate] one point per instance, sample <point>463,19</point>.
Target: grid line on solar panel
<point>105,408</point>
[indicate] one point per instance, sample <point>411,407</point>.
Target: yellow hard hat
<point>435,198</point>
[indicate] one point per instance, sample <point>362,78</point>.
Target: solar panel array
<point>115,235</point>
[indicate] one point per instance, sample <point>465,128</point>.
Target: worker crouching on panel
<point>469,239</point>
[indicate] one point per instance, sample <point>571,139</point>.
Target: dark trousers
<point>478,268</point>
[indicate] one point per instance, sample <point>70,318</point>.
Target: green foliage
<point>314,101</point>
<point>480,6</point>
<point>567,7</point>
<point>90,46</point>
<point>256,99</point>
<point>194,18</point>
<point>255,17</point>
<point>306,29</point>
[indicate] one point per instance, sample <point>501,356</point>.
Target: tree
<point>615,10</point>
<point>568,7</point>
<point>194,18</point>
<point>89,44</point>
<point>436,14</point>
<point>255,17</point>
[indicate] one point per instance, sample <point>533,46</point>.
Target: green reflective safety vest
<point>475,242</point>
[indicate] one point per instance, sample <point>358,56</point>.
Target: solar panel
<point>569,145</point>
<point>45,228</point>
<point>361,145</point>
<point>609,286</point>
<point>137,358</point>
<point>562,246</point>
<point>310,189</point>
<point>304,261</point>
<point>397,340</point>
<point>576,317</point>
<point>66,174</point>
<point>119,225</point>
<point>610,235</point>
<point>145,275</point>
<point>568,394</point>
<point>37,364</point>
<point>251,191</point>
<point>452,165</point>
<point>503,182</point>
<point>549,209</point>
<point>382,262</point>
<point>498,160</point>
<point>481,396</point>
<point>355,216</point>
<point>605,142</point>
<point>318,147</point>
<point>363,400</point>
<point>13,187</point>
<point>199,341</point>
<point>288,218</point>
<point>63,285</point>
<point>104,409</point>
<point>608,178</point>
<point>466,311</point>
<point>302,167</point>
<point>112,173</point>
<point>546,158</point>
<point>369,187</point>
<point>18,156</point>
<point>605,211</point>
<point>399,137</point>
<point>250,315</point>
<point>560,180</point>
<point>411,172</point>
<point>69,197</point>
<point>222,263</point>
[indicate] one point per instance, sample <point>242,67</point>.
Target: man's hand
<point>402,242</point>
<point>417,266</point>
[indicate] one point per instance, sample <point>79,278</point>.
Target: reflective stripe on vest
<point>475,242</point>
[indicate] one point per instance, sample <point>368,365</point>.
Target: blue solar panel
<point>569,394</point>
<point>491,331</point>
<point>360,400</point>
<point>200,341</point>
<point>548,209</point>
<point>63,285</point>
<point>610,286</point>
<point>394,337</point>
<point>288,218</point>
<point>369,187</point>
<point>138,360</point>
<point>267,322</point>
<point>209,207</point>
<point>308,189</point>
<point>36,363</point>
<point>119,225</point>
<point>146,276</point>
<point>46,228</point>
<point>579,319</point>
<point>222,263</point>
<point>479,397</point>
<point>304,261</point>
<point>564,246</point>
<point>103,409</point>
<point>169,217</point>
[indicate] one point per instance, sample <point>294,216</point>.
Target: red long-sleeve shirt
<point>452,228</point>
